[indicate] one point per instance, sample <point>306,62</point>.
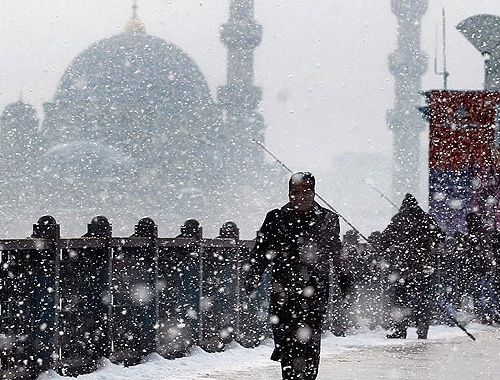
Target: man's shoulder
<point>327,213</point>
<point>273,215</point>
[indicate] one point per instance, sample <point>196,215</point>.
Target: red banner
<point>464,141</point>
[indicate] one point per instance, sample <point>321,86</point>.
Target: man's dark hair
<point>300,178</point>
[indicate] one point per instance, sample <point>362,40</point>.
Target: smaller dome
<point>18,109</point>
<point>134,25</point>
<point>86,160</point>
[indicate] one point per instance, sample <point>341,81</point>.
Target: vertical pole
<point>47,311</point>
<point>100,227</point>
<point>149,309</point>
<point>445,72</point>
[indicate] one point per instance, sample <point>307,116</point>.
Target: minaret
<point>407,64</point>
<point>239,99</point>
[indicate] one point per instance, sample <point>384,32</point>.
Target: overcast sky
<point>322,64</point>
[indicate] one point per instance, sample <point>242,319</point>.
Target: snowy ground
<point>225,365</point>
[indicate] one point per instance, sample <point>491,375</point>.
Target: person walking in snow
<point>480,268</point>
<point>301,243</point>
<point>410,238</point>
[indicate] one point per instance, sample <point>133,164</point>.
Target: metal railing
<point>66,303</point>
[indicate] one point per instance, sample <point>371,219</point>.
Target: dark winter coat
<point>297,246</point>
<point>410,238</point>
<point>479,250</point>
<point>302,250</point>
<point>411,235</point>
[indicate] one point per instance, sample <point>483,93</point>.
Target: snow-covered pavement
<point>447,354</point>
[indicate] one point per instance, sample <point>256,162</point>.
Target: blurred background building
<point>133,131</point>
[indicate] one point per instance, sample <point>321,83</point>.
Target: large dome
<point>131,86</point>
<point>132,66</point>
<point>145,113</point>
<point>139,94</point>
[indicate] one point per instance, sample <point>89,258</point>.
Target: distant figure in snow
<point>301,243</point>
<point>480,268</point>
<point>410,239</point>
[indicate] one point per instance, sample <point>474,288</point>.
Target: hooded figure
<point>410,239</point>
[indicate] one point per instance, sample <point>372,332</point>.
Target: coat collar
<point>315,211</point>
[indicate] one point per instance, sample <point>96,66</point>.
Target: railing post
<point>229,230</point>
<point>147,228</point>
<point>219,288</point>
<point>99,227</point>
<point>179,291</point>
<point>192,229</point>
<point>100,296</point>
<point>47,264</point>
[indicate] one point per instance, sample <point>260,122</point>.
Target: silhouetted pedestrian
<point>301,243</point>
<point>480,268</point>
<point>410,238</point>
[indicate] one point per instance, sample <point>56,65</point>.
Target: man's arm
<point>335,243</point>
<point>392,234</point>
<point>263,251</point>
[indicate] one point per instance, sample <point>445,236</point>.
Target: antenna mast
<point>444,73</point>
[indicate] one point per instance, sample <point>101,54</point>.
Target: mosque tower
<point>407,64</point>
<point>239,98</point>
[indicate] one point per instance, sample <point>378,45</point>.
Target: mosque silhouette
<point>133,129</point>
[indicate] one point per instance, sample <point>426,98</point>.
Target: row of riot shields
<point>201,301</point>
<point>67,303</point>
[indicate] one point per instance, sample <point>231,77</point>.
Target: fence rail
<point>66,303</point>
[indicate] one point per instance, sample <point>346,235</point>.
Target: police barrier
<point>219,287</point>
<point>28,296</point>
<point>66,303</point>
<point>178,287</point>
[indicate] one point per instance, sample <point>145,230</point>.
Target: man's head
<point>351,237</point>
<point>301,191</point>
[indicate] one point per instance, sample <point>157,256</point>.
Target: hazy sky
<point>322,64</point>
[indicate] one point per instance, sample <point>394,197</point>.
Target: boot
<point>422,332</point>
<point>276,355</point>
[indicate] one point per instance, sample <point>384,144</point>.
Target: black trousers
<point>415,300</point>
<point>297,319</point>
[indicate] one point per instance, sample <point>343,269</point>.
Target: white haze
<point>322,65</point>
<point>238,361</point>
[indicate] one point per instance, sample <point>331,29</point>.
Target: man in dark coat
<point>480,266</point>
<point>410,238</point>
<point>301,243</point>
